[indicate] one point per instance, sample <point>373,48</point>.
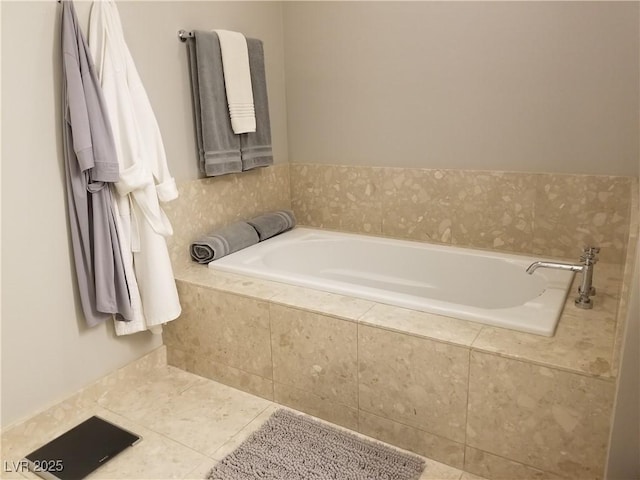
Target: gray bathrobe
<point>90,166</point>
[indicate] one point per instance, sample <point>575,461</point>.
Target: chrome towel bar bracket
<point>183,35</point>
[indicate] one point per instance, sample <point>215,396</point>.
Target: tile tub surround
<point>420,381</point>
<point>209,203</point>
<point>551,215</point>
<point>329,355</point>
<point>627,276</point>
<point>543,417</point>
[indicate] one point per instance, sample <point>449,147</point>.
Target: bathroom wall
<point>47,353</point>
<point>511,86</point>
<point>161,60</point>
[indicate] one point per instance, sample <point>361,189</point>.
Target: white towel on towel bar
<point>237,81</point>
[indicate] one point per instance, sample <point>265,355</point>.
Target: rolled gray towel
<point>273,223</point>
<point>222,242</point>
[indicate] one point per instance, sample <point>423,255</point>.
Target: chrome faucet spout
<point>572,267</point>
<point>586,289</point>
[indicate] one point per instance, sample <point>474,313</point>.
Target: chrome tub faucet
<point>587,261</point>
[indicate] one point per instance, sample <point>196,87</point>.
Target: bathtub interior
<point>482,286</point>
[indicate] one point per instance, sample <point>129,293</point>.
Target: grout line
<point>466,415</point>
<point>380,177</point>
<point>513,461</point>
<point>373,304</point>
<point>152,429</point>
<point>540,363</point>
<point>316,310</point>
<point>418,336</point>
<point>429,458</point>
<point>471,347</point>
<point>166,436</point>
<point>271,343</point>
<point>188,475</point>
<point>358,375</point>
<point>420,429</point>
<point>244,427</point>
<point>232,386</point>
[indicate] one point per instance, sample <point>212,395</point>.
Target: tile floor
<point>187,422</point>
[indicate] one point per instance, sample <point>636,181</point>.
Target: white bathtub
<point>485,287</point>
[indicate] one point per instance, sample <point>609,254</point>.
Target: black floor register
<point>78,452</point>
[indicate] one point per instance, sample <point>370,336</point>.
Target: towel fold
<point>222,242</point>
<point>237,80</point>
<point>218,147</point>
<point>256,147</point>
<point>273,223</point>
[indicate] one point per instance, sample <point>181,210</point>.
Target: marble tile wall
<point>315,353</point>
<point>209,203</point>
<point>222,336</point>
<point>545,418</point>
<point>627,275</point>
<point>551,215</point>
<point>338,198</point>
<point>414,381</point>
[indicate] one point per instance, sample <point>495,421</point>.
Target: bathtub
<point>480,286</point>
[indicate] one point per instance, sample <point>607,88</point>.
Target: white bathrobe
<point>144,176</point>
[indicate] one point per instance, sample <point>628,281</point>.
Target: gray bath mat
<point>294,447</point>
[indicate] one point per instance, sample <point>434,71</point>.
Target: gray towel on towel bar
<point>218,146</point>
<point>273,223</point>
<point>255,147</point>
<point>222,242</point>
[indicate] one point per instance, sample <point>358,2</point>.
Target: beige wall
<point>524,86</point>
<point>47,353</point>
<point>161,59</point>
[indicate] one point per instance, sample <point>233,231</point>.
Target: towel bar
<point>183,35</point>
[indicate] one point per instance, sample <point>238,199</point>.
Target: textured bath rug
<point>294,447</point>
